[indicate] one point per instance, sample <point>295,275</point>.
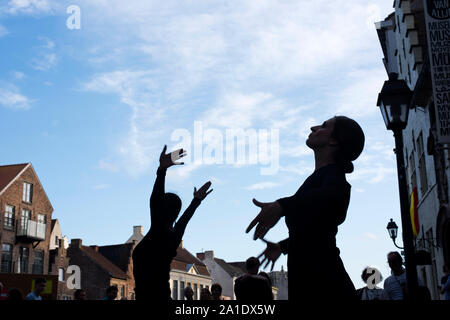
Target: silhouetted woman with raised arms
<point>154,253</point>
<point>313,214</point>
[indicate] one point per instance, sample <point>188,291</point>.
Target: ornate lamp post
<point>393,101</point>
<point>393,230</point>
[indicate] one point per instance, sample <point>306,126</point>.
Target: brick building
<point>26,213</point>
<point>97,272</point>
<point>121,256</point>
<point>59,261</point>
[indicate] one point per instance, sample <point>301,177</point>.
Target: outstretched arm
<point>157,197</point>
<point>181,224</point>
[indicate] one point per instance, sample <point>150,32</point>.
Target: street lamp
<point>393,101</point>
<point>393,230</point>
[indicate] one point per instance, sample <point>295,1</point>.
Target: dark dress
<point>312,214</point>
<point>154,253</point>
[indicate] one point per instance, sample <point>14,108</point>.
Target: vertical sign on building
<point>437,20</point>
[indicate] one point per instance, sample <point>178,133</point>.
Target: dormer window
<point>27,192</point>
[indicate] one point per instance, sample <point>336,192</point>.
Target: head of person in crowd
<point>367,272</point>
<point>15,295</point>
<point>39,286</point>
<point>172,207</point>
<point>111,293</point>
<point>216,291</point>
<point>189,293</point>
<point>205,294</point>
<point>339,139</point>
<point>395,262</point>
<point>79,294</point>
<point>252,265</point>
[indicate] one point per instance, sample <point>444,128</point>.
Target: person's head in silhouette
<point>15,295</point>
<point>265,275</point>
<point>216,291</point>
<point>367,272</point>
<point>111,293</point>
<point>205,294</point>
<point>252,265</point>
<point>172,207</point>
<point>338,140</point>
<point>79,294</point>
<point>395,262</point>
<point>189,293</point>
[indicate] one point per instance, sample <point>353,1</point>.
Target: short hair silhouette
<point>350,138</point>
<point>252,264</point>
<point>39,281</point>
<point>365,275</point>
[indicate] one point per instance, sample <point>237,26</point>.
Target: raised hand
<point>168,160</point>
<point>268,217</point>
<point>203,191</point>
<point>271,254</point>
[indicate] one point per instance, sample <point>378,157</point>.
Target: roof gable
<point>104,263</point>
<point>10,173</point>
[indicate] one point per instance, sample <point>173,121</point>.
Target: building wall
<point>219,275</point>
<point>40,205</point>
<point>60,260</point>
<point>94,279</point>
<point>406,47</point>
<point>280,281</point>
<point>188,279</point>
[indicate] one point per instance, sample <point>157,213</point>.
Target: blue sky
<point>91,109</point>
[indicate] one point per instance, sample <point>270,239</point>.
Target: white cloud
<point>3,31</point>
<point>101,186</point>
<point>370,236</point>
<point>44,62</point>
<point>17,75</point>
<point>108,166</point>
<point>248,60</point>
<point>29,6</point>
<point>10,97</point>
<point>262,186</point>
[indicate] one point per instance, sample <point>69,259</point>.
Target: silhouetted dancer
<point>313,215</point>
<point>154,253</point>
<point>252,287</point>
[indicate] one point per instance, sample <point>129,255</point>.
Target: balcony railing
<point>31,229</point>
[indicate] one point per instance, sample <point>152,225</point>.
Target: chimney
<point>95,248</point>
<point>209,255</point>
<point>201,256</point>
<point>137,230</point>
<point>76,243</point>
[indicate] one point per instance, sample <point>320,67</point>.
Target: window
<point>422,165</point>
<point>195,291</point>
<point>61,275</point>
<point>9,217</point>
<point>41,219</point>
<point>181,290</point>
<point>175,290</point>
<point>56,241</point>
<point>23,260</point>
<point>6,258</point>
<point>434,281</point>
<point>27,192</point>
<point>38,265</point>
<point>26,215</point>
<point>122,291</point>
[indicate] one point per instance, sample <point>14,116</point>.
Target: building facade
<point>97,272</point>
<point>26,214</point>
<point>403,39</point>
